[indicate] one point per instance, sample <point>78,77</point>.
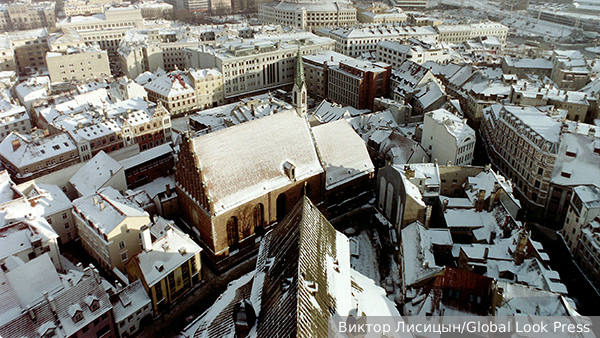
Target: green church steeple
<point>299,77</point>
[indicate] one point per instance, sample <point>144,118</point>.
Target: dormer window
<point>76,313</point>
<point>290,170</point>
<point>92,302</point>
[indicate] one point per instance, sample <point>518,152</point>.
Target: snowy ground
<point>376,257</point>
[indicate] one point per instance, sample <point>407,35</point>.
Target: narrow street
<point>580,290</point>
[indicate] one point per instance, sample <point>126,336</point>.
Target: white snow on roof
<point>454,125</point>
<point>146,156</point>
<point>440,236</point>
<point>546,126</point>
<point>167,254</point>
<point>246,161</point>
<point>30,280</point>
<point>411,189</point>
<point>343,153</point>
<point>521,299</point>
<point>107,209</point>
<point>132,298</point>
<point>488,181</point>
<point>418,262</point>
<point>38,150</point>
<point>49,199</point>
<point>589,195</point>
<point>8,190</point>
<point>95,174</point>
<point>327,112</point>
<point>482,223</point>
<point>581,169</point>
<point>174,83</point>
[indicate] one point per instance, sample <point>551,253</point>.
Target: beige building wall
<point>89,63</point>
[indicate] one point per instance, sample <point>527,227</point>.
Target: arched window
<point>232,233</point>
<point>259,218</point>
<point>281,207</point>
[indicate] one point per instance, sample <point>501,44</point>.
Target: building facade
<point>166,280</point>
<point>308,15</point>
<point>448,138</point>
<point>357,83</point>
<point>109,227</point>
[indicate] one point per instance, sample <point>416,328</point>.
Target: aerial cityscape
<point>299,168</point>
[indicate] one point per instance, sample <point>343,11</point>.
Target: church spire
<point>299,76</point>
<point>299,90</point>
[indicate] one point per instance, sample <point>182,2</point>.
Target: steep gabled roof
<point>293,257</point>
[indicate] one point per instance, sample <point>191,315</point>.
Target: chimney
<point>146,238</point>
<point>168,189</point>
<point>31,314</point>
<point>486,251</point>
<point>50,300</point>
<point>95,200</point>
<point>480,199</point>
<point>409,173</point>
<point>244,318</point>
<point>521,246</point>
<point>16,144</point>
<point>102,206</point>
<point>428,211</point>
<point>591,132</point>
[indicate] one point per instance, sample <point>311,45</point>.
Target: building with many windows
<point>462,33</point>
<point>78,64</point>
<point>535,149</point>
<point>357,83</point>
<point>354,41</point>
<point>30,49</point>
<point>448,138</point>
<point>27,15</point>
<point>168,266</point>
<point>108,28</point>
<point>109,227</point>
<point>31,156</point>
<point>316,68</point>
<point>251,66</point>
<point>582,228</point>
<point>395,53</point>
<point>308,15</point>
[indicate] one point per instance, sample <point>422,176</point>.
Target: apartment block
<point>78,64</point>
<point>31,156</point>
<point>27,15</point>
<point>168,266</point>
<point>357,83</point>
<point>109,227</point>
<point>448,138</point>
<point>308,15</point>
<point>251,66</point>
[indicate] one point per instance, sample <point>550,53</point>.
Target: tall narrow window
<point>281,207</point>
<point>258,218</point>
<point>232,233</point>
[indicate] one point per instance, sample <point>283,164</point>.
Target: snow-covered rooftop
<point>246,161</point>
<point>418,262</point>
<point>167,254</point>
<point>107,209</point>
<point>94,174</point>
<point>343,153</point>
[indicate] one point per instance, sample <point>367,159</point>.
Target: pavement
<point>193,304</point>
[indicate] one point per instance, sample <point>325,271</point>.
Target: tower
<point>299,90</point>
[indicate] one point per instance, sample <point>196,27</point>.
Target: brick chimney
<point>16,144</point>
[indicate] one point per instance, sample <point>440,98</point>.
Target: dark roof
<point>293,258</point>
<point>89,286</point>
